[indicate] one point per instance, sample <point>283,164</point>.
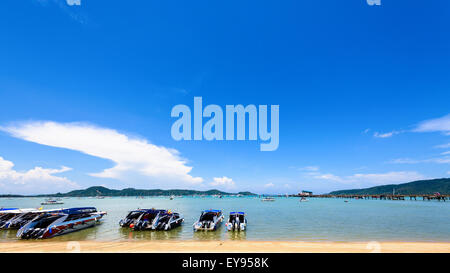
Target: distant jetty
<point>433,189</point>
<point>421,187</point>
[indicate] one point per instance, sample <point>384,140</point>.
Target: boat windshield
<point>233,217</point>
<point>7,217</point>
<point>45,221</point>
<point>76,216</point>
<point>208,216</point>
<point>134,214</point>
<point>149,215</point>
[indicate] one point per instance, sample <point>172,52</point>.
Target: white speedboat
<point>209,220</point>
<point>52,202</point>
<point>152,219</point>
<point>236,221</point>
<point>18,218</point>
<point>9,214</point>
<point>50,224</point>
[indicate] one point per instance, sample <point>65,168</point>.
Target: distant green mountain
<point>441,185</point>
<point>102,191</point>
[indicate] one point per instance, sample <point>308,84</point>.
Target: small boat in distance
<point>51,224</point>
<point>209,220</point>
<point>268,199</point>
<point>236,222</point>
<point>52,202</point>
<point>303,199</point>
<point>152,219</point>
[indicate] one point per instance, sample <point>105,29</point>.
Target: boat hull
<point>60,228</point>
<point>200,226</point>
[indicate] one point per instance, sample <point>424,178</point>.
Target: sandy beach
<point>225,246</point>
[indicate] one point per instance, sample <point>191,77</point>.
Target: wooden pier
<point>423,197</point>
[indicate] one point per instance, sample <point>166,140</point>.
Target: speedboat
<point>23,216</point>
<point>236,222</point>
<point>7,215</point>
<point>152,219</point>
<point>52,202</point>
<point>209,220</point>
<point>268,199</point>
<point>52,224</point>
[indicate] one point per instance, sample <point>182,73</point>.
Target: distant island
<point>441,185</point>
<point>102,191</point>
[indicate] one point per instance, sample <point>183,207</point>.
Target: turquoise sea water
<point>285,219</point>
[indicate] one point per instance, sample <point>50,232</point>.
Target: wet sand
<point>224,246</point>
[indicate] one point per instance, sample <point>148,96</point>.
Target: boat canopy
<point>150,210</point>
<point>79,210</point>
<point>237,212</point>
<point>212,210</point>
<point>8,209</point>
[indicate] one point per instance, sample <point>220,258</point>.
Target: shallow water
<point>285,219</point>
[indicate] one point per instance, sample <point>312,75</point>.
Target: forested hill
<point>102,191</point>
<point>441,185</point>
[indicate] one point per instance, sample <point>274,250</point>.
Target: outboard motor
<point>237,223</point>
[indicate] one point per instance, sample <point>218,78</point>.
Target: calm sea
<point>284,219</point>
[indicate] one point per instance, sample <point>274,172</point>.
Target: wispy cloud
<point>328,176</point>
<point>36,180</point>
<point>386,135</point>
<point>70,7</point>
<point>439,160</point>
<point>370,179</point>
<point>129,154</point>
<point>441,124</point>
<point>224,182</point>
<point>269,185</point>
<point>443,146</point>
<point>73,2</point>
<point>310,168</point>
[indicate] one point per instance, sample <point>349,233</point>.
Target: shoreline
<point>222,247</point>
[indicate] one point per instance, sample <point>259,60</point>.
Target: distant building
<point>306,193</point>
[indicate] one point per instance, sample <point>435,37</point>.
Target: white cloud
<point>435,125</point>
<point>387,178</point>
<point>385,135</point>
<point>404,161</point>
<point>269,185</point>
<point>366,131</point>
<point>225,182</point>
<point>446,153</point>
<point>371,179</point>
<point>310,168</point>
<point>73,2</point>
<point>443,146</point>
<point>328,176</point>
<point>36,180</point>
<point>129,154</point>
<point>448,172</point>
<point>441,160</point>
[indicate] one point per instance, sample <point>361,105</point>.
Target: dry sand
<point>225,246</point>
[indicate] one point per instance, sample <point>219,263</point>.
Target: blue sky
<point>86,93</point>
